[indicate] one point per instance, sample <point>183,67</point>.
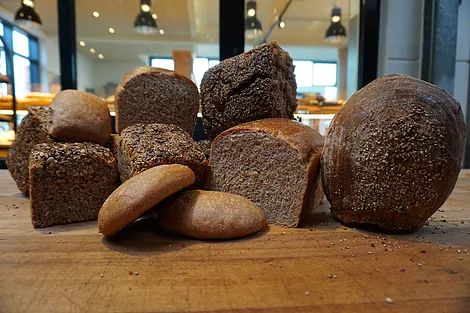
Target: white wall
<point>401,24</point>
<point>462,56</point>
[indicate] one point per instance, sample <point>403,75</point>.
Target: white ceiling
<point>187,24</point>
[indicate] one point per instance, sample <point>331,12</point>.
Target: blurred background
<point>337,46</point>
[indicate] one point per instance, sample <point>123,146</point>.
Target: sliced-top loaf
<point>254,85</point>
<point>149,95</point>
<point>34,129</point>
<point>272,162</point>
<point>70,182</point>
<point>143,146</point>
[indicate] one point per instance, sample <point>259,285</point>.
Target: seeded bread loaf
<point>149,95</point>
<point>254,85</point>
<point>69,182</point>
<point>393,153</point>
<point>143,146</point>
<point>206,147</point>
<point>34,129</point>
<point>272,162</point>
<point>80,117</point>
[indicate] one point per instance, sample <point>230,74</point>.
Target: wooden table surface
<point>326,267</point>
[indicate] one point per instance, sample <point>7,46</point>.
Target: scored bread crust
<point>303,139</point>
<point>393,153</point>
<point>186,121</point>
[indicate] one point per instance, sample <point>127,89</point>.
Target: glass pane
<point>20,43</point>
<point>324,74</point>
<point>3,63</point>
<point>22,76</point>
<point>213,63</point>
<point>168,64</point>
<point>1,34</point>
<point>303,73</point>
<point>200,66</point>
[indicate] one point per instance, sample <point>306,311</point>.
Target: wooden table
<point>324,268</point>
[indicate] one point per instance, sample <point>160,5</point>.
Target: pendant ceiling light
<point>253,26</point>
<point>336,33</point>
<point>145,23</point>
<point>26,16</point>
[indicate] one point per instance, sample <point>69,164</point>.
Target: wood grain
<point>325,267</point>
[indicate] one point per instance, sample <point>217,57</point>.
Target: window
<point>165,63</point>
<point>25,50</point>
<point>315,74</point>
<point>200,66</point>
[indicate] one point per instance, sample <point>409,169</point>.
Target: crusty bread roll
<point>80,117</point>
<point>140,193</point>
<point>274,163</point>
<point>210,215</point>
<point>393,153</point>
<point>149,95</point>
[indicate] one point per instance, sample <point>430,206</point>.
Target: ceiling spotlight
<point>111,30</point>
<point>336,32</point>
<point>26,16</point>
<point>82,43</point>
<point>92,50</point>
<point>154,16</point>
<point>96,14</point>
<point>282,24</point>
<point>252,24</point>
<point>144,22</point>
<point>162,32</point>
<point>100,56</point>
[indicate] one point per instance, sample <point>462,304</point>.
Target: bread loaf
<point>254,85</point>
<point>210,215</point>
<point>272,162</point>
<point>143,146</point>
<point>393,153</point>
<point>80,117</point>
<point>34,129</point>
<point>148,95</point>
<point>69,182</point>
<point>140,193</point>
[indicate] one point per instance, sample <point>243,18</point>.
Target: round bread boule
<point>393,153</point>
<point>140,193</point>
<point>211,215</point>
<point>80,117</point>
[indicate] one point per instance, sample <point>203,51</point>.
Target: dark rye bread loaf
<point>254,85</point>
<point>34,129</point>
<point>206,147</point>
<point>70,182</point>
<point>143,146</point>
<point>149,95</point>
<point>393,153</point>
<point>272,162</point>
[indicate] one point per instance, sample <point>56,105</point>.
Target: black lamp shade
<point>144,22</point>
<point>26,16</point>
<point>253,26</point>
<point>336,31</point>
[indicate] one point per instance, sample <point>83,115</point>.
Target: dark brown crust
<point>69,182</point>
<point>34,129</point>
<point>306,141</point>
<point>189,112</point>
<point>393,153</point>
<point>255,85</point>
<point>143,146</point>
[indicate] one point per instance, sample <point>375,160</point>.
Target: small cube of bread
<point>257,84</point>
<point>273,162</point>
<point>34,129</point>
<point>80,117</point>
<point>148,95</point>
<point>143,146</point>
<point>69,182</point>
